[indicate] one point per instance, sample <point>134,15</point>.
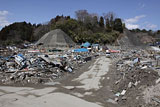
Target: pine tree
<point>118,25</point>
<point>101,22</point>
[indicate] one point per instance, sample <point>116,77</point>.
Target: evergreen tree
<point>118,26</point>
<point>108,27</point>
<point>95,20</point>
<point>101,22</point>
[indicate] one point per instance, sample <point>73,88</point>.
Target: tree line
<point>85,27</point>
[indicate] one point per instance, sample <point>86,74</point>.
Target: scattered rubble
<point>26,66</point>
<point>136,70</point>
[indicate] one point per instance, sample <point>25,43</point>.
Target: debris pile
<point>39,67</point>
<point>136,70</point>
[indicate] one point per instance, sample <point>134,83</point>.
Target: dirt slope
<point>134,39</point>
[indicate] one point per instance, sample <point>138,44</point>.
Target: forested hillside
<point>85,27</point>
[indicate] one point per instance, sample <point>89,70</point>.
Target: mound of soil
<point>132,39</point>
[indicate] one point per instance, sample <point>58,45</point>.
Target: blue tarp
<point>21,56</point>
<point>81,50</point>
<point>87,44</point>
<point>95,45</point>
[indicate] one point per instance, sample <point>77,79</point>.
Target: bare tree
<point>81,15</point>
<point>84,16</point>
<point>94,14</point>
<point>109,19</point>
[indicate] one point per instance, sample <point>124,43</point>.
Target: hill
<point>132,39</point>
<point>17,33</point>
<point>86,27</point>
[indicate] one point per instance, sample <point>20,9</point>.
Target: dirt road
<point>91,78</point>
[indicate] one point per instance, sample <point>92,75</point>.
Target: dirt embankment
<point>131,39</point>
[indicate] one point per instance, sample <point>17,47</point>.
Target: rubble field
<point>136,73</point>
<point>129,77</point>
<point>23,67</point>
